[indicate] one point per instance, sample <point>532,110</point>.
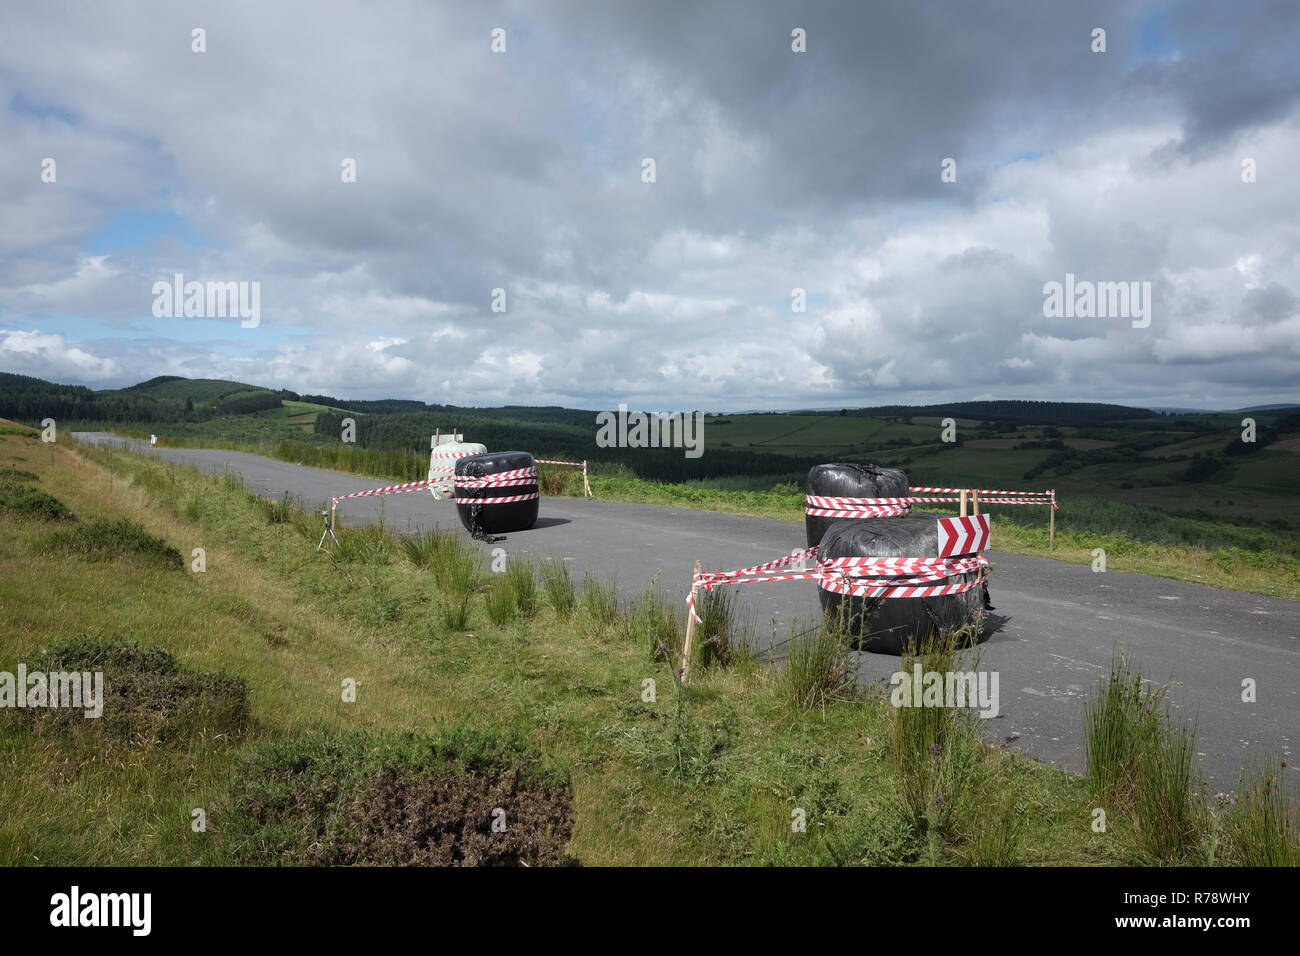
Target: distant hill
<point>173,398</point>
<point>167,398</point>
<point>1177,410</point>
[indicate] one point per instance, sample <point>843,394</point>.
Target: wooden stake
<point>975,498</point>
<point>963,502</point>
<point>1051,523</point>
<point>436,433</point>
<point>690,627</point>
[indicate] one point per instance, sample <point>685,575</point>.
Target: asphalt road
<point>1055,629</point>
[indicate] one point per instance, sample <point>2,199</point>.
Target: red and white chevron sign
<point>968,535</point>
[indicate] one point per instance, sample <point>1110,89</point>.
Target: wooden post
<point>975,499</point>
<point>436,432</point>
<point>690,626</point>
<point>1051,523</point>
<point>963,502</point>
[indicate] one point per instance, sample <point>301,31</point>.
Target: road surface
<point>1056,626</point>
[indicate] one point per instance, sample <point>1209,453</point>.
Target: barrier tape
<point>994,496</point>
<point>856,577</point>
<point>822,506</point>
<point>502,479</point>
<point>389,490</point>
<point>586,487</point>
<point>510,499</point>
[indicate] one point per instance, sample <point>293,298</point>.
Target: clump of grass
<point>447,552</point>
<point>725,634</point>
<point>111,539</point>
<point>368,544</point>
<point>1122,722</point>
<point>1139,759</point>
<point>277,512</point>
<point>523,585</point>
<point>458,575</point>
<point>599,601</point>
<point>500,601</point>
<point>20,501</point>
<point>1263,822</point>
<point>995,832</point>
<point>1165,809</point>
<point>557,584</point>
<point>936,752</point>
<point>423,546</point>
<point>652,621</point>
<point>819,668</point>
<point>309,523</point>
<point>148,697</point>
<point>16,474</point>
<point>399,800</point>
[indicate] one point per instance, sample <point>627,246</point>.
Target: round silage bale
<point>891,625</point>
<point>497,517</point>
<point>850,480</point>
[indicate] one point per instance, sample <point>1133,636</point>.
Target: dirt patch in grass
<point>455,798</point>
<point>148,698</point>
<point>109,539</point>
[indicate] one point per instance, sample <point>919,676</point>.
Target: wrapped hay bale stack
<point>845,480</point>
<point>496,492</point>
<point>442,463</point>
<point>889,625</point>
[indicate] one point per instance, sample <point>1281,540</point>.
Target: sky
<point>524,170</point>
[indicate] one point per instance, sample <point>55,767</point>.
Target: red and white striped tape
<point>389,490</point>
<point>509,499</point>
<point>586,486</point>
<point>502,479</point>
<point>994,496</point>
<point>856,577</point>
<point>821,506</point>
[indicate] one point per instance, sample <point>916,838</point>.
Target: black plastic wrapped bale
<point>846,480</point>
<point>487,519</point>
<point>889,625</point>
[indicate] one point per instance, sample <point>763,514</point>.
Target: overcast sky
<point>774,170</point>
